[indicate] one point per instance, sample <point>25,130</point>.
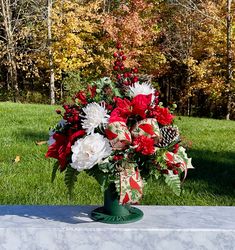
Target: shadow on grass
<point>66,214</point>
<point>215,168</point>
<point>31,135</point>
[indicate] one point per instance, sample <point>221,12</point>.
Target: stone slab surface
<point>163,227</point>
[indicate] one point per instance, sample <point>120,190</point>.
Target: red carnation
<point>144,145</point>
<point>140,104</point>
<point>163,115</point>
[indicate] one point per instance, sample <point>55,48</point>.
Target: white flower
<point>60,125</point>
<point>89,151</point>
<point>95,116</point>
<point>141,89</point>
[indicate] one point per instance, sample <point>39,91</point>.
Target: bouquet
<point>119,132</point>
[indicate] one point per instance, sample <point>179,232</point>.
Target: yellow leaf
<point>39,143</point>
<point>17,159</point>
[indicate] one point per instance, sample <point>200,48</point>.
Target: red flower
<point>163,115</point>
<point>144,145</point>
<point>122,110</point>
<point>81,96</point>
<point>92,91</point>
<point>140,104</point>
<point>61,149</point>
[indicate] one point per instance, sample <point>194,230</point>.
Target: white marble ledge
<point>163,227</point>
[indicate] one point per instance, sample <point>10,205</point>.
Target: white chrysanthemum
<point>89,151</point>
<point>141,89</point>
<point>60,125</point>
<point>95,116</point>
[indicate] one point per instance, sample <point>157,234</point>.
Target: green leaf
<point>54,170</point>
<point>173,181</point>
<point>70,178</point>
<point>106,167</point>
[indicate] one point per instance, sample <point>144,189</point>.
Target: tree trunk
<point>11,49</point>
<point>229,59</point>
<point>50,53</point>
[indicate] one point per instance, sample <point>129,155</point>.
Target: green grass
<point>212,182</point>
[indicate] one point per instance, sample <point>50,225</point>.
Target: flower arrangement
<point>119,132</point>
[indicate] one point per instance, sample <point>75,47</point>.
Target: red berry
<point>123,58</point>
<point>165,171</point>
<point>66,107</point>
<point>70,119</point>
<point>135,79</point>
<point>125,75</point>
<point>119,76</point>
<point>115,54</point>
<point>117,157</point>
<point>76,118</point>
<point>157,93</point>
<point>178,165</point>
<point>58,111</point>
<point>121,53</point>
<point>122,67</point>
<point>170,167</point>
<point>115,67</point>
<point>175,172</point>
<point>118,45</point>
<point>135,70</point>
<point>117,63</point>
<point>126,82</point>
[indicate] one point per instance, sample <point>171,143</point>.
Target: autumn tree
<point>10,23</point>
<point>135,24</point>
<point>17,36</point>
<point>195,43</point>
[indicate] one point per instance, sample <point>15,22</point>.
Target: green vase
<point>114,213</point>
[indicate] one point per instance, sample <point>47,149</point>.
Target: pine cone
<point>168,135</point>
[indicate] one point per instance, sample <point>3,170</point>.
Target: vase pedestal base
<point>100,215</point>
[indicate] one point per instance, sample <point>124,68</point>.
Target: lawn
<point>25,174</point>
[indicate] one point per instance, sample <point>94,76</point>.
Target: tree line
<point>49,49</point>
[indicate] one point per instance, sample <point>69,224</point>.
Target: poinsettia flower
<point>89,151</point>
<point>122,111</point>
<point>61,148</point>
<point>124,108</point>
<point>144,145</point>
<point>163,115</point>
<point>60,125</point>
<point>142,89</point>
<point>95,116</point>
